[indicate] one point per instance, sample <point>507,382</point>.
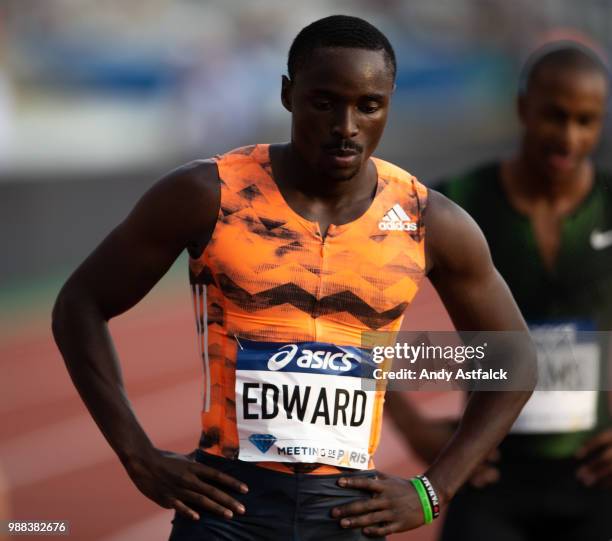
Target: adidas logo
<point>396,219</point>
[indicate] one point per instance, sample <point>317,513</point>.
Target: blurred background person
<point>547,216</point>
<point>106,96</point>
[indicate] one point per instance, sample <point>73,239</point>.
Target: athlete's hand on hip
<point>394,506</point>
<point>596,458</point>
<point>176,481</point>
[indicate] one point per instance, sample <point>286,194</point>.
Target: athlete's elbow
<point>70,309</point>
<point>60,316</point>
<point>517,356</point>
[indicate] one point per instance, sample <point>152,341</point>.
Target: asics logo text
<point>308,358</point>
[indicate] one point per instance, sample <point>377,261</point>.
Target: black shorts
<point>533,501</point>
<point>279,506</point>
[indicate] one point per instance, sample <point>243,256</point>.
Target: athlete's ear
<point>286,91</point>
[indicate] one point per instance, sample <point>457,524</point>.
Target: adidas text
<point>397,226</point>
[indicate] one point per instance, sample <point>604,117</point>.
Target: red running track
<point>57,466</point>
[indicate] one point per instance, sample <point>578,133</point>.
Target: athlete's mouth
<point>561,161</point>
<point>342,158</point>
<point>343,149</point>
<point>342,152</point>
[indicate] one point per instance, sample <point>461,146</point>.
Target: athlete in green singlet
<point>547,216</point>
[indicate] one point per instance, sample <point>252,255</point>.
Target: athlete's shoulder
<point>403,181</point>
<point>471,182</point>
<point>392,172</point>
<point>603,193</point>
<point>195,179</point>
<point>243,168</point>
<point>453,235</point>
<point>604,178</point>
<point>244,154</point>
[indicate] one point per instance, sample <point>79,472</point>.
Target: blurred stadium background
<point>100,98</point>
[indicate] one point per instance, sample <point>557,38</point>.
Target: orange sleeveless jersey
<point>267,276</point>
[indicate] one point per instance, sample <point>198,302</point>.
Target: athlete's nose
<point>569,136</point>
<point>344,123</point>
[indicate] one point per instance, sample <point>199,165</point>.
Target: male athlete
<point>547,216</point>
<point>296,249</point>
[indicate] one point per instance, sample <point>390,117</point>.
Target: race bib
<point>567,360</point>
<point>303,402</point>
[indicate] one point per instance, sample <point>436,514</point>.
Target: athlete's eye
<point>322,105</point>
<point>554,115</point>
<point>586,120</point>
<point>370,107</point>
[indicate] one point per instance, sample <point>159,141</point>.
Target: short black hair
<point>338,31</point>
<point>561,55</point>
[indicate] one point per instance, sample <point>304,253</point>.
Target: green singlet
<point>577,291</point>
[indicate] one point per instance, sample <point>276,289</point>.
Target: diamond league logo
<point>263,442</point>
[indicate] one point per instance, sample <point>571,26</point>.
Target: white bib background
<point>303,408</point>
<point>564,363</point>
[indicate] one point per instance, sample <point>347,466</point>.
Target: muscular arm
<point>477,299</point>
<point>178,212</point>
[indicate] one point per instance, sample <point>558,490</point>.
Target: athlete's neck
<point>526,186</point>
<point>325,201</point>
<point>294,174</point>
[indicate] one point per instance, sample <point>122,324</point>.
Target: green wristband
<point>422,493</point>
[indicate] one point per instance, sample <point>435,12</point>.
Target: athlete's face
<point>339,102</point>
<point>562,115</point>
